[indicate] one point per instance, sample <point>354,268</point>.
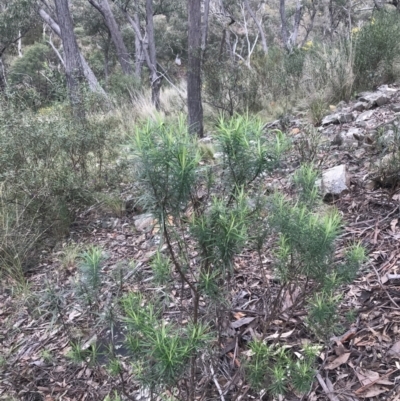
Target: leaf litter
<point>363,363</point>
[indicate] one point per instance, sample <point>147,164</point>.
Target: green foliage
<point>272,367</point>
<point>306,245</point>
<point>77,353</point>
<point>171,173</point>
<point>84,353</point>
<point>247,151</point>
<point>308,145</point>
<point>123,86</point>
<point>377,50</point>
<point>166,161</point>
<point>322,316</point>
<point>90,273</point>
<point>305,179</point>
<point>328,72</point>
<point>114,367</point>
<point>318,109</point>
<point>354,257</point>
<point>222,232</point>
<point>161,267</point>
<point>113,397</point>
<point>15,17</point>
<point>231,87</point>
<point>258,365</point>
<point>19,235</point>
<point>49,165</point>
<point>160,351</point>
<point>32,71</point>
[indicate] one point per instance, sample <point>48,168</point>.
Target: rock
<point>346,118</point>
<point>357,133</point>
<point>334,182</point>
<point>385,88</point>
<point>331,130</point>
<point>365,116</point>
<point>382,100</point>
<point>206,139</point>
<point>360,153</point>
<point>342,104</point>
<point>337,140</point>
<point>350,137</point>
<point>375,98</point>
<point>370,185</point>
<point>338,118</point>
<point>388,136</point>
<point>395,107</point>
<point>360,106</point>
<point>144,222</point>
<point>331,119</point>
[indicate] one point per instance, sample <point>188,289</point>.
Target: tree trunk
<point>123,55</point>
<point>259,26</point>
<point>204,33</point>
<point>139,52</point>
<point>296,25</point>
<point>155,78</point>
<point>195,107</point>
<point>19,44</point>
<point>3,79</point>
<point>107,58</point>
<point>72,58</point>
<point>89,75</point>
<point>289,41</point>
<point>284,27</point>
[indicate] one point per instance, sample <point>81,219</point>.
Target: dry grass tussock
<point>173,101</point>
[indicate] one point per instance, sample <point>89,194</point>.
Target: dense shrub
<point>32,71</point>
<point>377,50</point>
<point>50,164</point>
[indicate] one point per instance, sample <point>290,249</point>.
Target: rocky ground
<point>354,148</point>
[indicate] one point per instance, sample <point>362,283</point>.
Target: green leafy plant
<point>77,353</point>
<point>232,213</point>
<point>246,151</point>
<point>161,350</point>
<point>90,273</point>
<point>305,178</point>
<point>161,267</point>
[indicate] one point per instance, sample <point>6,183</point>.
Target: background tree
<point>72,58</point>
<point>194,104</point>
<point>123,55</point>
<point>16,19</point>
<point>91,79</point>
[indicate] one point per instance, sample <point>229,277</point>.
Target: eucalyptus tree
<point>123,54</point>
<point>72,58</point>
<point>16,19</point>
<point>145,44</point>
<point>194,103</point>
<point>90,77</point>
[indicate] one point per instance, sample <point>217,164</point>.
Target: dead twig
<point>327,391</point>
